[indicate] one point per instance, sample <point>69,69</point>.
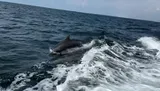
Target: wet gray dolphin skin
<point>66,44</point>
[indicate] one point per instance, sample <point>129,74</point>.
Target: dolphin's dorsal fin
<point>67,38</point>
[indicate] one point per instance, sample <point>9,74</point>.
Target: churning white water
<point>105,68</point>
<point>151,43</point>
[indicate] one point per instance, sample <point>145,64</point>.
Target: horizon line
<point>82,12</point>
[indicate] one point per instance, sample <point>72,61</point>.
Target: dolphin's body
<point>66,44</point>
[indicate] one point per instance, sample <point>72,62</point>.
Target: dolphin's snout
<point>52,51</point>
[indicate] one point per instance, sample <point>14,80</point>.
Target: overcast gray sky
<point>138,9</point>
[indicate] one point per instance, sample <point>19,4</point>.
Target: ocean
<point>118,54</point>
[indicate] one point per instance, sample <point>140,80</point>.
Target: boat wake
<point>104,67</point>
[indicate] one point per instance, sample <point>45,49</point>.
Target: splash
<point>103,68</point>
<point>151,43</point>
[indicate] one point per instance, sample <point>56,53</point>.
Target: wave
<point>151,43</point>
<point>103,67</point>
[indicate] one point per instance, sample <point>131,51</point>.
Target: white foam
<point>44,85</point>
<point>151,43</point>
<point>99,71</point>
<point>19,81</point>
<point>82,70</point>
<point>139,81</point>
<point>48,84</point>
<point>89,45</point>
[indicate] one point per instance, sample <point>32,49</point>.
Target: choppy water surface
<point>117,54</point>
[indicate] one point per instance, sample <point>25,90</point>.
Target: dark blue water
<point>27,32</point>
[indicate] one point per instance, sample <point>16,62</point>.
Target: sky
<point>137,9</point>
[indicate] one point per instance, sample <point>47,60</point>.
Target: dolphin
<point>66,44</point>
